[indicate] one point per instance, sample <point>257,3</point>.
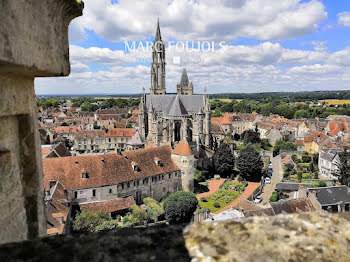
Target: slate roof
<point>290,186</point>
<point>184,79</point>
<point>331,195</point>
<point>165,103</point>
<point>177,108</point>
<point>327,156</point>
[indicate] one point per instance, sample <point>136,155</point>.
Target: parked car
<point>269,173</point>
<point>257,200</point>
<point>267,180</point>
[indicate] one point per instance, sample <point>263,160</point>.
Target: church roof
<point>184,79</point>
<point>177,108</point>
<point>164,103</point>
<point>182,149</point>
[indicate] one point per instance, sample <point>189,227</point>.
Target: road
<point>277,176</point>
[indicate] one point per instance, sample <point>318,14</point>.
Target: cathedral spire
<point>158,65</point>
<point>184,78</point>
<point>158,36</point>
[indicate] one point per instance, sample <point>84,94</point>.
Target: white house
<point>328,163</point>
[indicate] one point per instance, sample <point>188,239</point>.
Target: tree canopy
<point>180,206</point>
<point>250,164</point>
<point>223,160</point>
<point>92,221</point>
<point>153,208</point>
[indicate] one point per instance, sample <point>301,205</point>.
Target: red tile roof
<point>182,149</point>
<point>121,132</point>
<point>221,120</point>
<point>109,206</point>
<point>67,129</point>
<point>107,169</point>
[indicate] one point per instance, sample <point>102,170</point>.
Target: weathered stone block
<point>34,36</point>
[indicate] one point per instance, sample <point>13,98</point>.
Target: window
<point>94,192</point>
<point>136,168</point>
<point>123,186</point>
<point>76,194</point>
<point>84,174</point>
<point>164,189</point>
<point>158,162</point>
<point>128,184</point>
<point>110,190</point>
<point>169,175</point>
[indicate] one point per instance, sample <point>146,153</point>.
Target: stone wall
<point>157,187</point>
<point>284,238</point>
<point>33,42</point>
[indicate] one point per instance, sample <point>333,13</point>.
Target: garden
<point>228,192</point>
<point>301,169</point>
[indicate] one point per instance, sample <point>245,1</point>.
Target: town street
<point>277,176</point>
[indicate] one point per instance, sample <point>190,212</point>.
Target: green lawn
<point>228,192</point>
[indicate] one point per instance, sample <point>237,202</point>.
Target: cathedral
<point>166,117</point>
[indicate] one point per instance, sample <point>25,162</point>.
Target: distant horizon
<point>221,93</point>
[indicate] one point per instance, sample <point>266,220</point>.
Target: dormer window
<point>158,161</point>
<point>84,174</point>
<point>135,167</point>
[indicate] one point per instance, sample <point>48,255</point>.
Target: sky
<point>227,46</point>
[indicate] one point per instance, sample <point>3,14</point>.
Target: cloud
<point>344,18</point>
<point>202,20</point>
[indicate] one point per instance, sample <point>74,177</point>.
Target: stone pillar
<point>33,42</point>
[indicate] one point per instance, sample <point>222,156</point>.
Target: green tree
<point>180,206</point>
<point>285,146</point>
<point>251,136</point>
<point>250,164</point>
<point>89,220</point>
<point>107,225</point>
<point>153,208</point>
<point>136,216</point>
<point>223,161</point>
<point>302,113</point>
<point>217,112</point>
<point>300,176</point>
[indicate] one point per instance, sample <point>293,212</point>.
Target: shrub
<point>107,225</point>
<point>180,206</point>
<point>153,208</point>
<point>204,199</point>
<point>137,216</point>
<point>322,183</point>
<point>89,220</point>
<point>274,197</point>
<point>217,205</point>
<point>306,158</point>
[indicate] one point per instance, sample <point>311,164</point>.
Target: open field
<point>335,101</point>
<point>225,100</point>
